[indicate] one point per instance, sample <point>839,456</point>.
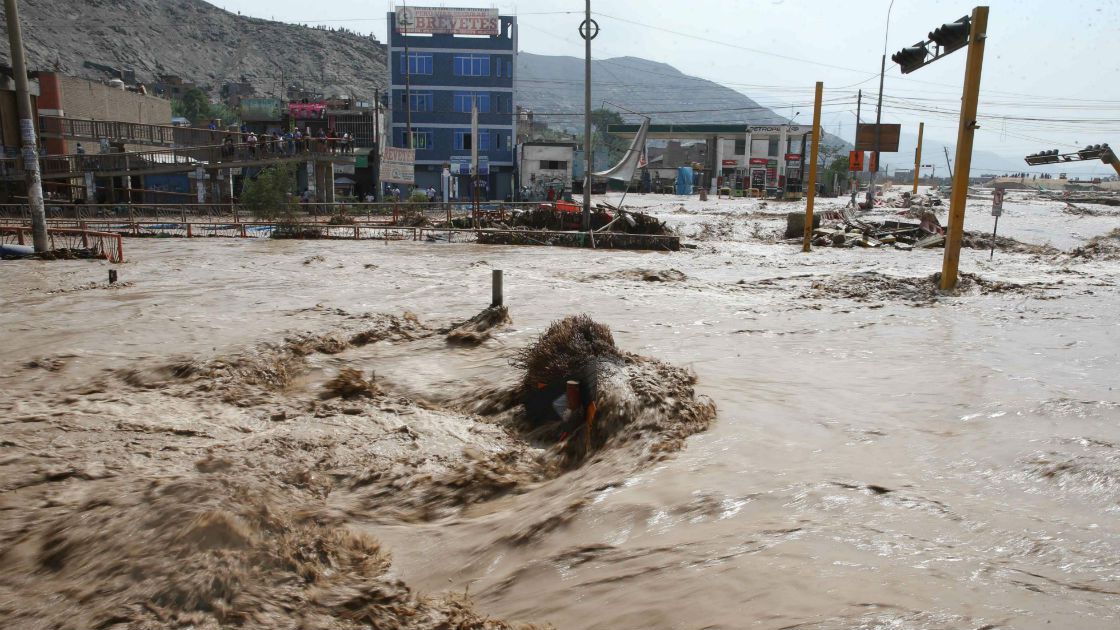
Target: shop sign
<point>447,21</point>
<point>399,165</point>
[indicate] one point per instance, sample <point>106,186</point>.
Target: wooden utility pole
<point>805,244</point>
<point>965,133</point>
<point>27,131</point>
<point>918,157</point>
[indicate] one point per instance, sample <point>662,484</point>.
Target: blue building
<point>455,56</point>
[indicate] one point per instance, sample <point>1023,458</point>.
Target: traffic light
<point>911,58</point>
<point>1043,157</point>
<point>952,36</point>
<point>1092,152</point>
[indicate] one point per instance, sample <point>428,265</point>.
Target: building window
<point>772,149</point>
<point>462,102</point>
<point>498,66</point>
<point>422,101</point>
<point>420,139</point>
<point>418,63</point>
<point>740,147</point>
<point>463,140</point>
<point>554,165</point>
<point>472,65</point>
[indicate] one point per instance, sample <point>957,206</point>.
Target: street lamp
<point>970,31</point>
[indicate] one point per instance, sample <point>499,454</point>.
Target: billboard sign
<point>447,21</point>
<point>260,109</point>
<point>399,166</point>
<point>888,140</point>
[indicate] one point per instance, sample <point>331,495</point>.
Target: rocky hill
<point>209,46</point>
<point>554,85</point>
<point>197,41</point>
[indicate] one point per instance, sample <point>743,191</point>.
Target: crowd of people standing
<point>289,142</point>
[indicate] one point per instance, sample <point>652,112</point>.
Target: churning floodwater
<point>883,457</point>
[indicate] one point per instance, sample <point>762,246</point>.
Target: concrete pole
<point>28,141</point>
<point>376,153</point>
<point>587,120</point>
<point>717,165</point>
<point>783,138</point>
<point>806,242</point>
<point>965,131</point>
<point>878,132</point>
<point>918,157</point>
<point>879,107</point>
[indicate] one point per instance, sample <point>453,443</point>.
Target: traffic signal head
<point>952,36</point>
<point>911,58</point>
<point>1043,157</point>
<point>1092,152</point>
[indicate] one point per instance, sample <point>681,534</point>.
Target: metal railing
<point>180,159</point>
<point>99,244</point>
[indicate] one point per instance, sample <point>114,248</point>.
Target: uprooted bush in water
<point>639,408</point>
<point>582,394</point>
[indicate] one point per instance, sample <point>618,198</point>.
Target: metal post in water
<point>995,226</point>
<point>496,288</point>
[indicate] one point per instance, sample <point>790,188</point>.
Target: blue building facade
<point>446,73</point>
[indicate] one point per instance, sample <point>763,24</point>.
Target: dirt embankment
<point>218,492</point>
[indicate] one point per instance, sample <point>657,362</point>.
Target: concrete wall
<point>96,101</point>
<point>533,176</point>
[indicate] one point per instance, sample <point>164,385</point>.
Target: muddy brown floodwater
<point>262,434</point>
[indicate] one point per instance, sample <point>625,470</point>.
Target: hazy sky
<point>1050,75</point>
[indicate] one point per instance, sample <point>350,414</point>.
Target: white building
<point>544,165</point>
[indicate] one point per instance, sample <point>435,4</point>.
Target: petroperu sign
<point>447,21</point>
<point>790,129</point>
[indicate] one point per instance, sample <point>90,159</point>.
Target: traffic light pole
<point>806,242</point>
<point>966,130</point>
<point>918,157</point>
<point>27,131</point>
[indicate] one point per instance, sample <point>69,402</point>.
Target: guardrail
<point>178,159</point>
<point>311,212</point>
<point>107,245</point>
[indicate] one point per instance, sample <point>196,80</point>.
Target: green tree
<point>268,197</point>
<point>225,113</point>
<point>616,147</point>
<point>194,106</point>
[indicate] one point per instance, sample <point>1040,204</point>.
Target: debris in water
<point>349,383</point>
<point>478,328</point>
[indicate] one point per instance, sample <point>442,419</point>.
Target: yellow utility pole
<point>965,133</point>
<point>918,157</point>
<point>806,243</point>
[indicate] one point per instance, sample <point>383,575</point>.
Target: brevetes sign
<point>447,21</point>
<point>399,166</point>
